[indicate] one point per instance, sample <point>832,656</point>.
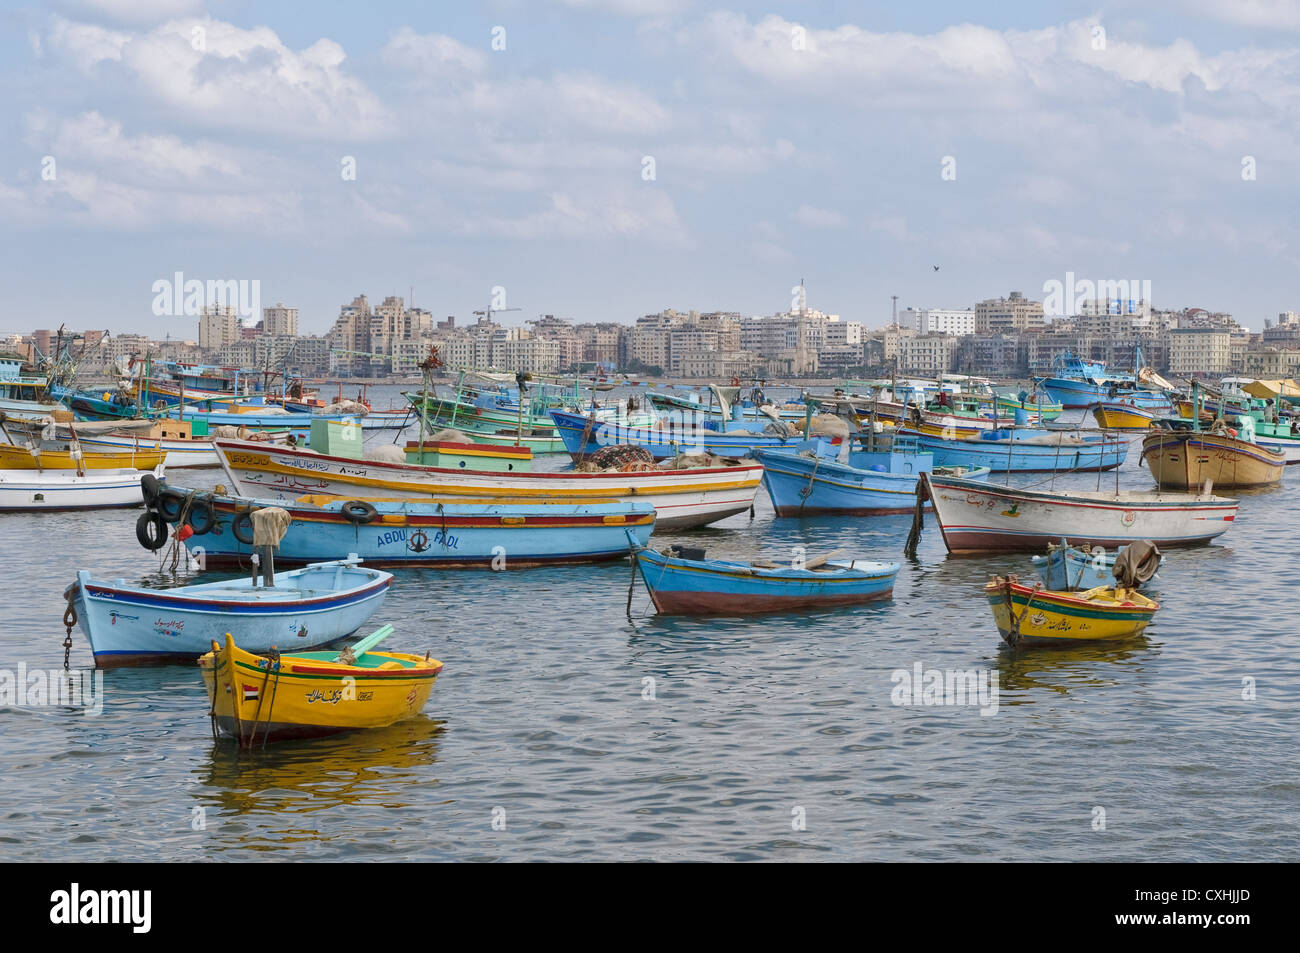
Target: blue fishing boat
<point>879,477</point>
<point>1078,383</point>
<point>1068,568</point>
<point>388,533</point>
<point>689,584</point>
<point>303,608</point>
<point>1026,451</point>
<point>583,436</point>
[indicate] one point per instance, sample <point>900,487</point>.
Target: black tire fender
<point>201,517</point>
<point>151,530</point>
<point>170,504</point>
<point>150,487</point>
<point>241,526</point>
<point>359,511</point>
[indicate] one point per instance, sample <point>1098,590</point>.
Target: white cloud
<point>815,217</point>
<point>223,75</point>
<point>643,213</point>
<point>155,159</point>
<point>1277,14</point>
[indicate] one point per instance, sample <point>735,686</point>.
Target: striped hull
<point>443,536</point>
<point>692,587</point>
<point>1059,618</point>
<point>310,697</point>
<point>583,436</point>
<point>1186,460</point>
<point>22,490</point>
<point>1074,394</point>
<point>1104,453</point>
<point>981,518</point>
<point>181,454</point>
<point>1116,415</point>
<point>682,498</point>
<point>132,626</point>
<point>803,486</point>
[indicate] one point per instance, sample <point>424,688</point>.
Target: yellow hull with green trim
<point>256,699</point>
<point>1031,615</point>
<point>20,458</point>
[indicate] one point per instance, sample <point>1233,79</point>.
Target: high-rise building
<point>1008,315</point>
<point>218,326</point>
<point>280,320</point>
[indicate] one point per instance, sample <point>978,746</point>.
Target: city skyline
<point>810,141</point>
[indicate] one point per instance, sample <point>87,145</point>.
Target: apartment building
<point>219,325</point>
<point>1200,351</point>
<point>280,321</point>
<point>1008,315</point>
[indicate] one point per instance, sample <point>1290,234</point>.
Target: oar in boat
<point>823,560</point>
<point>365,645</point>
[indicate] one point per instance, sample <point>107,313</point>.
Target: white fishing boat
<point>69,490</point>
<point>682,497</point>
<point>304,608</point>
<point>977,517</point>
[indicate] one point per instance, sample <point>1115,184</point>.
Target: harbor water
<point>564,729</point>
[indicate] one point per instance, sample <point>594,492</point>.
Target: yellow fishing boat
<point>1119,415</point>
<point>256,699</point>
<point>1032,615</point>
<point>22,458</point>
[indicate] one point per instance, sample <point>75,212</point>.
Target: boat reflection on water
<point>1066,669</point>
<point>376,768</point>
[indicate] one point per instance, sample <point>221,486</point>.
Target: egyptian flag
<point>250,693</point>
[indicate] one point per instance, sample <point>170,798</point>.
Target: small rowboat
<point>274,697</point>
<point>1121,415</point>
<point>23,490</point>
<point>698,586</point>
<point>305,608</point>
<point>1028,615</point>
<point>1071,569</point>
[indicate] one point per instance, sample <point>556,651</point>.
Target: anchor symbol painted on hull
<point>419,541</point>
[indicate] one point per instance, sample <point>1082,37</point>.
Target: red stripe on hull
<point>969,544</point>
<point>723,603</point>
<point>240,561</point>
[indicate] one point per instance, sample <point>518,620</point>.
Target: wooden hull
<point>1186,460</point>
<point>1113,415</point>
<point>450,535</point>
<point>1042,617</point>
<point>131,625</point>
<point>583,436</point>
<point>19,458</point>
<point>28,490</point>
<point>698,587</point>
<point>255,700</point>
<point>181,454</point>
<point>982,518</point>
<point>1072,570</point>
<point>1094,453</point>
<point>801,486</point>
<point>1045,409</point>
<point>681,498</point>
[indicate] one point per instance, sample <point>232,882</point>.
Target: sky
<point>603,159</point>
